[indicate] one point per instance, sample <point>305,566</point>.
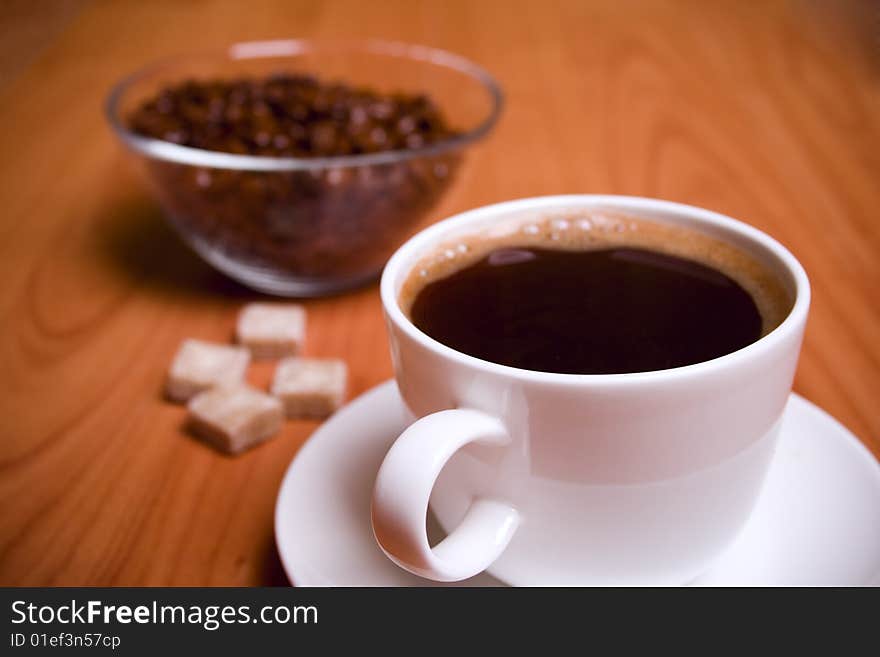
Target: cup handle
<point>403,488</point>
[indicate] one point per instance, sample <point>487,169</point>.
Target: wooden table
<point>764,111</point>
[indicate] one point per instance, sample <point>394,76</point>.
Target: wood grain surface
<point>766,111</point>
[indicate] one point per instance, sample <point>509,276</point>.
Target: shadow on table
<point>274,574</point>
<point>136,241</point>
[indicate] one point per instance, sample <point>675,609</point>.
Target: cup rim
<point>280,48</point>
<point>434,234</point>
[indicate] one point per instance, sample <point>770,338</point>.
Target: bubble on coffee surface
<point>510,256</point>
<point>602,229</point>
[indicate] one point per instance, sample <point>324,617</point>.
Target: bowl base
<point>279,284</point>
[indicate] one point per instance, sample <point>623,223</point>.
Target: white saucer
<point>817,521</point>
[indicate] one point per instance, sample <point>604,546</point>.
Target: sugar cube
<point>235,418</point>
<point>200,365</point>
<point>310,387</point>
<point>272,330</point>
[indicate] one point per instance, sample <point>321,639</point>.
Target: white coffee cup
<point>563,479</point>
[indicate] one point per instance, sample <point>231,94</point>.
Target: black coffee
<point>597,311</point>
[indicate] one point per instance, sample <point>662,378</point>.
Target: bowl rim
<point>169,151</point>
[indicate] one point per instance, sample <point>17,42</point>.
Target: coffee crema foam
<point>583,230</point>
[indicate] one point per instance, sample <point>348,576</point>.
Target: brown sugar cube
<point>272,330</point>
<point>200,365</point>
<point>235,418</point>
<point>310,387</point>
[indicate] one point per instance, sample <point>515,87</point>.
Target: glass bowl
<point>297,226</point>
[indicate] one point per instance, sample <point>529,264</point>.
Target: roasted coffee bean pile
<point>335,223</point>
<point>289,115</point>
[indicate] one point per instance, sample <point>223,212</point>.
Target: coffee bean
<point>324,223</point>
